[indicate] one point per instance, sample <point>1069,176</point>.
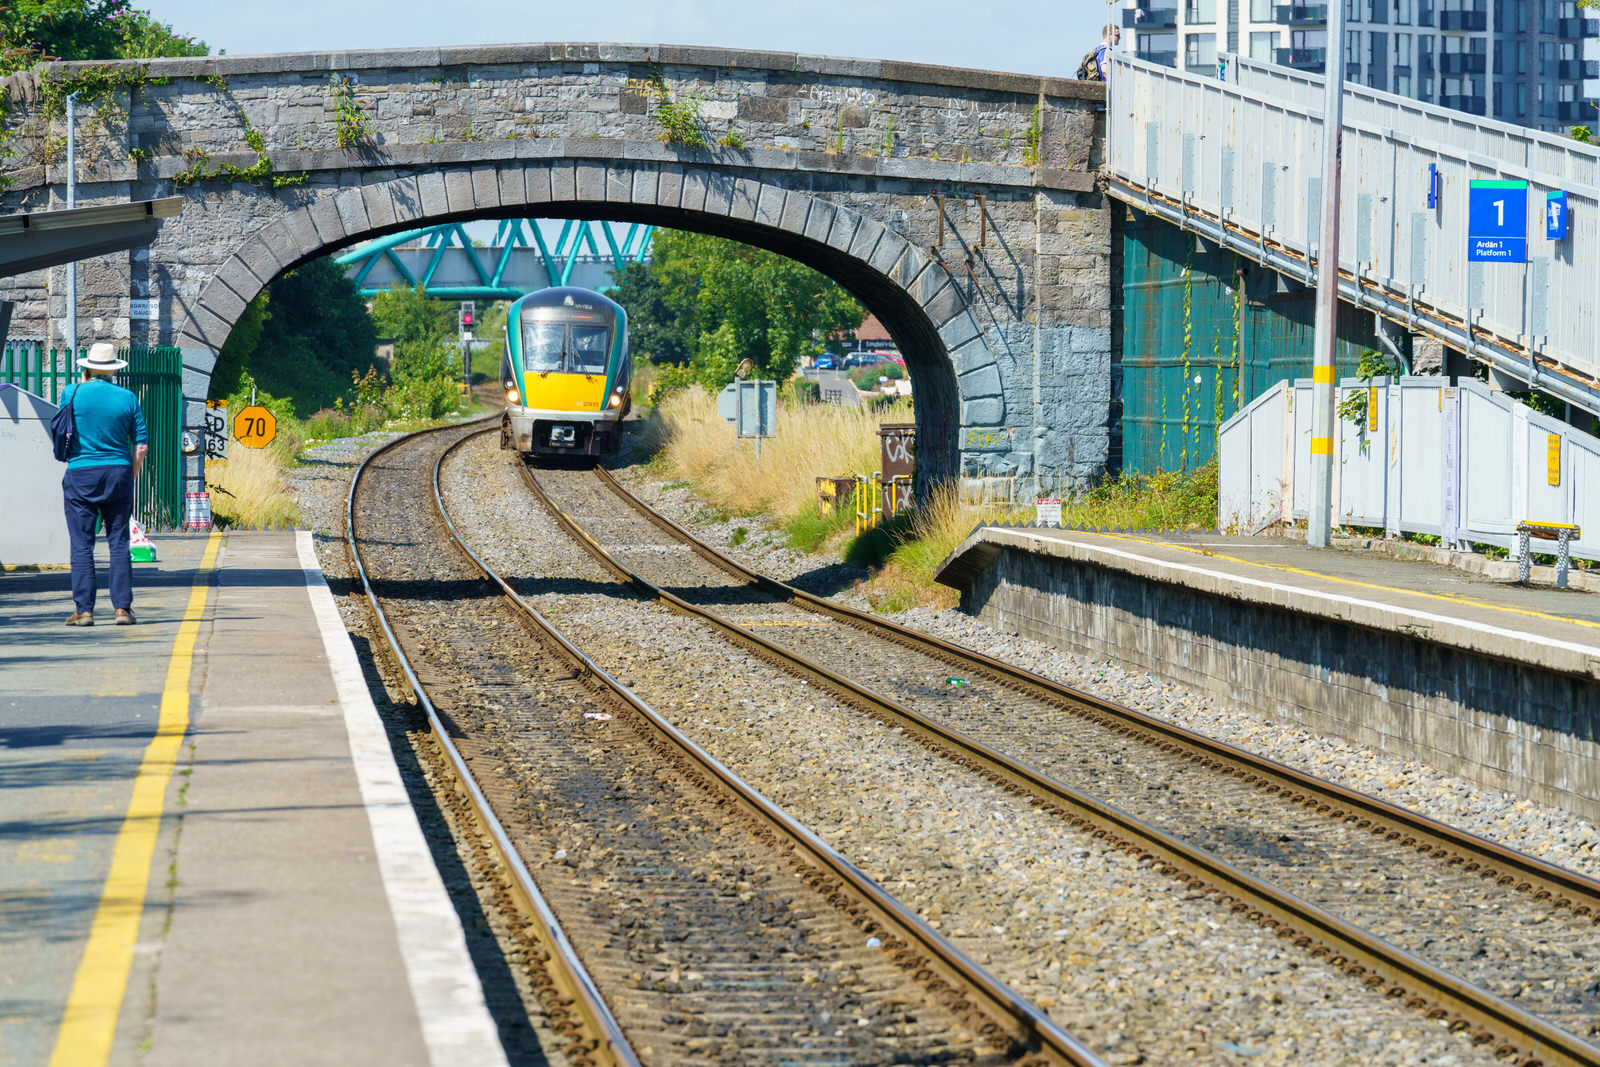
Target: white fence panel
<point>1363,454</point>
<point>1583,463</point>
<point>1397,474</point>
<point>1251,450</point>
<point>1486,491</point>
<point>1420,499</point>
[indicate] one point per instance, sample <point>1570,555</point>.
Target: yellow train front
<point>566,373</point>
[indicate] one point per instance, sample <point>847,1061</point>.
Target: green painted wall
<point>1203,333</point>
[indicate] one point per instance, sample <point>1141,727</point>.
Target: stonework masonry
<point>1510,721</point>
<point>962,207</point>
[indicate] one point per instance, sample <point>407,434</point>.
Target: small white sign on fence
<point>1047,512</point>
<point>143,307</point>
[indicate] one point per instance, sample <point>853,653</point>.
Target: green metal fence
<point>1201,338</point>
<point>155,375</point>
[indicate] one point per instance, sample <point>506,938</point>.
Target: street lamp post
<point>1319,524</point>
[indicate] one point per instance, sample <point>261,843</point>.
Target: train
<point>566,373</point>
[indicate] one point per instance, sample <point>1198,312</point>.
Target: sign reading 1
<point>1497,222</point>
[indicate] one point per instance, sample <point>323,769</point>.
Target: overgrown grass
<point>248,488</point>
<point>695,443</point>
<point>695,446</point>
<point>1167,500</point>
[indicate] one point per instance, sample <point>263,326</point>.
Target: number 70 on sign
<point>255,426</point>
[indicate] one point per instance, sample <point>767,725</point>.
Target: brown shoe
<point>125,617</point>
<point>81,618</point>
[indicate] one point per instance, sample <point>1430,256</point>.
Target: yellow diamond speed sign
<point>255,426</point>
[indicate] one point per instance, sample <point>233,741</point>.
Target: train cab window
<point>590,345</point>
<point>542,344</point>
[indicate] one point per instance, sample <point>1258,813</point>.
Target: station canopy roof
<point>47,238</point>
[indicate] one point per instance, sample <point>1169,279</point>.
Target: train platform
<point>1556,628</point>
<point>1488,680</point>
<point>207,853</point>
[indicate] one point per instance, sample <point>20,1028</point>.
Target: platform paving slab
<point>78,706</point>
<point>270,931</point>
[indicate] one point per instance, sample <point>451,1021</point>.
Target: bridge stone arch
<point>955,374</point>
<point>960,206</point>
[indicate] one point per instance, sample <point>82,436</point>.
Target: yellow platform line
<point>1452,598</point>
<point>90,1020</point>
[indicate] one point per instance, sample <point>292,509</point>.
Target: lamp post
<point>72,202</point>
<point>1319,523</point>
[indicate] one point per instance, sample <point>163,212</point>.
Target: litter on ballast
<point>955,681</point>
<point>600,715</point>
<point>874,942</point>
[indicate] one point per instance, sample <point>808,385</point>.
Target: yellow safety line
<point>90,1020</point>
<point>1453,598</point>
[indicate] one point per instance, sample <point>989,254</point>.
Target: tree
<point>311,331</point>
<point>409,316</point>
<point>91,29</point>
<point>657,331</point>
<point>730,302</point>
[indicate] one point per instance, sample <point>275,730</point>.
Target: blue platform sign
<point>1497,222</point>
<point>1555,216</point>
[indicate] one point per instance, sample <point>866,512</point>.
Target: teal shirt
<point>109,425</point>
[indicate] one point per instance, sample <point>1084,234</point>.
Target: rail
<point>569,972</point>
<point>1360,952</point>
<point>1026,1023</point>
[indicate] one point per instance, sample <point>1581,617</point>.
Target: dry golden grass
<point>814,440</point>
<point>937,526</point>
<point>248,489</point>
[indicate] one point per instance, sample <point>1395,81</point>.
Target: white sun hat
<point>102,358</point>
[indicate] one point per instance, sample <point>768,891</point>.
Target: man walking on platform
<point>107,452</point>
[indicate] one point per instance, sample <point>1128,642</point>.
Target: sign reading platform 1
<point>1497,222</point>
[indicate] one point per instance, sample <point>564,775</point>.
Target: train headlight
<point>616,400</point>
<point>512,396</point>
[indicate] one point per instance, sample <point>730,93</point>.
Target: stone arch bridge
<point>960,206</point>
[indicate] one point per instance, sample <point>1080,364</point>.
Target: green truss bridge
<point>522,259</point>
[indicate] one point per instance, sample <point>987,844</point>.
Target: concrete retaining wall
<point>1530,730</point>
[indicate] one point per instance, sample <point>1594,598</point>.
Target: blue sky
<point>1030,36</point>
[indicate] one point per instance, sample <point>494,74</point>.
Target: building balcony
<point>1149,18</point>
<point>1464,21</point>
<point>1463,62</point>
<point>1300,14</point>
<point>1304,58</point>
<point>1165,59</point>
<point>1573,69</point>
<point>1472,105</point>
<point>1572,110</point>
<point>1572,28</point>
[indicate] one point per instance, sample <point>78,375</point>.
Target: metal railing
<point>878,499</point>
<point>155,375</point>
<point>1236,162</point>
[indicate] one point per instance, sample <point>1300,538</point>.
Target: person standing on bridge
<point>107,451</point>
<point>1109,38</point>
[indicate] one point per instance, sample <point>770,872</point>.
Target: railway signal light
<point>466,314</point>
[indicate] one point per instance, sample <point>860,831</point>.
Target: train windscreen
<point>542,346</point>
<point>590,346</point>
<point>565,342</point>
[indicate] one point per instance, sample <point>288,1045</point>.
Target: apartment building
<point>1525,61</point>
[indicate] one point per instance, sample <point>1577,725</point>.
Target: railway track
<point>683,918</point>
<point>1502,945</point>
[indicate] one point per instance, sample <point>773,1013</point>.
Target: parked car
<point>825,363</point>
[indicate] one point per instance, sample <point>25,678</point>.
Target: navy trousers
<point>93,493</point>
